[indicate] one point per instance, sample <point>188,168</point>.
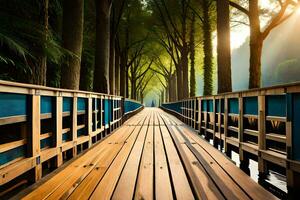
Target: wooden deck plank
<point>104,157</point>
<point>163,188</point>
<point>144,186</point>
<point>203,185</point>
<point>179,178</point>
<point>254,190</point>
<point>107,185</point>
<point>59,179</point>
<point>126,185</point>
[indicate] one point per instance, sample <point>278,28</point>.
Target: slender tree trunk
<point>207,48</point>
<point>101,73</point>
<point>185,71</point>
<point>117,71</point>
<point>142,97</point>
<point>223,48</point>
<point>256,44</point>
<point>179,83</point>
<point>184,58</point>
<point>127,83</point>
<point>123,77</point>
<point>112,67</point>
<point>39,68</point>
<point>173,87</point>
<point>192,58</point>
<point>72,40</point>
<point>86,75</point>
<point>133,85</point>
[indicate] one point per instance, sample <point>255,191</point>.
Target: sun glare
<point>298,11</point>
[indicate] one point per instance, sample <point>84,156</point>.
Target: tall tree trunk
<point>133,89</point>
<point>142,98</point>
<point>223,48</point>
<point>127,83</point>
<point>173,86</point>
<point>72,40</point>
<point>192,58</point>
<point>256,44</point>
<point>207,49</point>
<point>112,67</point>
<point>179,83</point>
<point>86,75</point>
<point>39,68</point>
<point>101,73</point>
<point>117,70</point>
<point>184,57</point>
<point>123,77</point>
<point>185,71</point>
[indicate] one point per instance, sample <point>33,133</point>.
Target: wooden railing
<point>261,124</point>
<point>42,127</point>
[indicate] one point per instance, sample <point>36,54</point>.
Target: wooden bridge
<point>64,144</point>
<point>153,155</point>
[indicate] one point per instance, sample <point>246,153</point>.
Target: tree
<point>257,36</point>
<point>192,58</point>
<point>223,47</point>
<point>39,70</point>
<point>28,39</point>
<point>101,71</point>
<point>72,41</point>
<point>207,48</point>
<point>174,19</point>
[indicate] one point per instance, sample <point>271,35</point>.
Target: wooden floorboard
<point>152,156</point>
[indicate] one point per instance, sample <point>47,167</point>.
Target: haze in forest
<point>280,59</point>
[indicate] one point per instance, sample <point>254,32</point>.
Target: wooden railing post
<point>214,123</point>
<point>262,169</point>
<point>58,128</point>
<point>90,119</point>
<point>226,147</point>
<point>35,134</point>
<point>74,124</point>
<point>220,122</point>
<point>200,116</point>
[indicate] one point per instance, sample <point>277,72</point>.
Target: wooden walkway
<point>152,156</point>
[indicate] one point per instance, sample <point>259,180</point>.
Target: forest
<point>135,48</point>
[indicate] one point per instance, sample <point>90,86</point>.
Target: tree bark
<point>101,72</point>
<point>192,58</point>
<point>39,68</point>
<point>179,83</point>
<point>256,43</point>
<point>127,83</point>
<point>123,77</point>
<point>207,49</point>
<point>72,40</point>
<point>117,70</point>
<point>112,67</point>
<point>223,48</point>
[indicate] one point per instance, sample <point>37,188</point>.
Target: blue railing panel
<point>276,105</point>
<point>67,104</point>
<point>294,116</point>
<point>233,105</point>
<point>46,104</point>
<point>81,104</point>
<point>12,154</point>
<point>130,106</point>
<point>13,104</point>
<point>176,106</point>
<point>251,105</point>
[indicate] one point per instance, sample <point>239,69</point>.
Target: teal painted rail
<point>131,106</point>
